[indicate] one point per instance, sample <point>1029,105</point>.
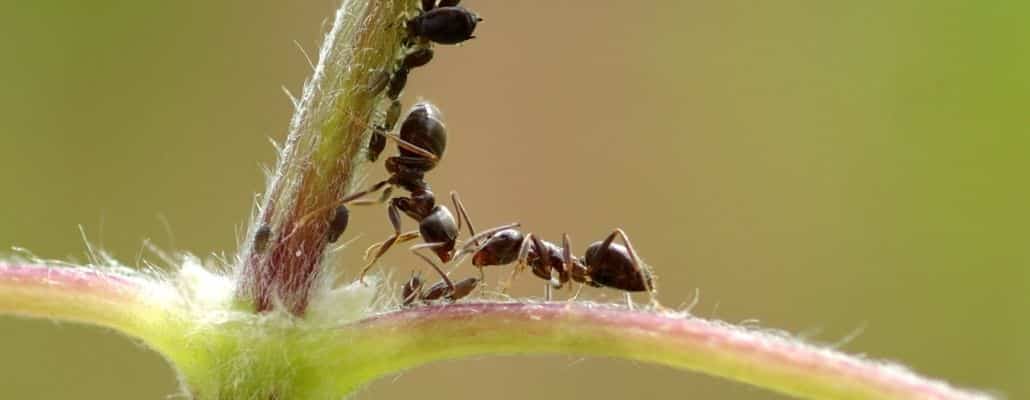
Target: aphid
<point>417,58</point>
<point>412,290</point>
<point>338,223</point>
<point>444,24</point>
<point>399,79</point>
<point>397,83</point>
<point>463,288</point>
<point>261,239</point>
<point>605,264</point>
<point>377,143</point>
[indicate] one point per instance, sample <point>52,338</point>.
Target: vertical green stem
<point>323,152</point>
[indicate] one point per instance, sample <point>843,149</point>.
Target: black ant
<point>451,291</point>
<point>605,263</point>
<point>422,141</point>
<point>396,83</point>
<point>444,23</point>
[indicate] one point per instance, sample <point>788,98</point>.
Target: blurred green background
<point>829,169</point>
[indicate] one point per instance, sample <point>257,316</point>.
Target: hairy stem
<point>230,357</point>
<point>113,300</point>
<point>409,338</point>
<point>322,154</point>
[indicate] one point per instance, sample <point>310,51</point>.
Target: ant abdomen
<point>424,128</point>
<point>614,267</point>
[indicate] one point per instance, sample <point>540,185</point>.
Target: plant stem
<point>322,154</point>
<point>84,295</point>
<point>409,338</point>
<point>237,356</point>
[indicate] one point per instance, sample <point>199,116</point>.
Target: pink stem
<point>772,361</point>
<point>72,293</point>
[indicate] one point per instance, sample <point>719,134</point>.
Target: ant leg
<point>404,237</point>
<point>383,197</point>
<point>354,196</point>
<point>395,220</point>
<point>303,220</point>
<point>566,252</point>
<point>462,213</point>
<point>578,291</point>
<point>547,292</point>
<point>520,262</point>
<point>448,3</point>
<point>545,258</point>
<point>415,249</point>
<point>406,145</point>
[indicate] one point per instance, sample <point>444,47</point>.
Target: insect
<point>338,223</point>
<point>261,238</point>
<point>444,23</point>
<point>395,83</point>
<point>445,289</point>
<point>421,144</point>
<point>604,264</point>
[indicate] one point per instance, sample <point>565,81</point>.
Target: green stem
<point>127,303</point>
<point>323,152</point>
<point>246,356</point>
<point>406,339</point>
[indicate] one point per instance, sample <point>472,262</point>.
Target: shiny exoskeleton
<point>450,291</point>
<point>421,144</point>
<point>338,223</point>
<point>444,23</point>
<point>395,84</point>
<point>605,263</point>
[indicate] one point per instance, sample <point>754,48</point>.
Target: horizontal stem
<point>90,296</point>
<point>409,338</point>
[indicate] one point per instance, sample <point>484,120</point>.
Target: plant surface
<point>274,324</point>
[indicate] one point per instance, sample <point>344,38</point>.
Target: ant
<point>421,144</point>
<point>444,23</point>
<point>605,263</point>
<point>396,84</point>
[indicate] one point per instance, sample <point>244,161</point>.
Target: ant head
<point>424,128</point>
<point>501,248</point>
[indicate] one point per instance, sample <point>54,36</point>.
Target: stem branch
<point>409,338</point>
